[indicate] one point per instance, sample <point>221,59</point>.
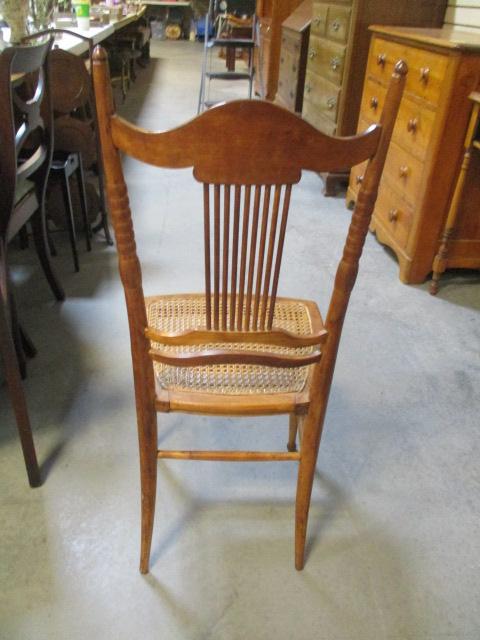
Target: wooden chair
<point>237,349</point>
<point>75,118</point>
<point>25,125</point>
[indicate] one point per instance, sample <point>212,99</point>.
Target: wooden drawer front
<point>338,22</point>
<point>312,115</point>
<point>319,19</point>
<point>414,127</point>
<point>394,214</point>
<point>291,41</point>
<point>289,63</point>
<point>327,59</point>
<point>323,94</point>
<point>404,172</point>
<point>373,100</point>
<point>426,69</point>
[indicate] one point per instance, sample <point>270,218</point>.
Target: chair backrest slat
<point>233,283</point>
<point>278,259</point>
<point>206,227</point>
<point>271,249</point>
<point>225,254</point>
<point>216,259</point>
<point>243,257</point>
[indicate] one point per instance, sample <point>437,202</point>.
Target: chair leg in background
<point>17,396</point>
<point>17,338</point>
<point>67,199</point>
<point>41,245</point>
<point>292,432</point>
<point>83,201</point>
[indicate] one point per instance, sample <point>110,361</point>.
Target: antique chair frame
<point>282,144</point>
<point>20,165</point>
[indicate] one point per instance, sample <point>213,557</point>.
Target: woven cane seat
<point>186,312</point>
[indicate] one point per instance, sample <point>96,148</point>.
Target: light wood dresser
<point>271,14</point>
<point>427,145</point>
<point>337,57</point>
<point>293,57</point>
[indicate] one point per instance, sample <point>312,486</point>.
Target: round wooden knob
<point>381,59</point>
<point>331,102</point>
<point>359,179</point>
<point>312,54</point>
<point>393,215</point>
<point>336,25</point>
<point>317,21</point>
<point>403,171</point>
<point>374,103</point>
<point>308,87</point>
<point>412,125</point>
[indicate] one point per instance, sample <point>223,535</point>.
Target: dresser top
<point>301,17</point>
<point>446,37</point>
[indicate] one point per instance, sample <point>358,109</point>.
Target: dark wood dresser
<point>337,57</point>
<point>293,57</point>
<point>271,14</point>
<point>427,146</point>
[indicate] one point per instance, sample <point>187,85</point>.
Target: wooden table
<point>97,33</point>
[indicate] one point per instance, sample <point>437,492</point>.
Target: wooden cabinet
<point>293,57</point>
<point>425,154</point>
<point>337,57</point>
<point>271,14</point>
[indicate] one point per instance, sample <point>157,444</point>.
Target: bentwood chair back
<point>237,348</point>
<point>25,155</point>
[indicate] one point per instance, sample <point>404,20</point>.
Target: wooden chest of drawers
<point>337,56</point>
<point>427,144</point>
<point>293,57</point>
<point>271,14</point>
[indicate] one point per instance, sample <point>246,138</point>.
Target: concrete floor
<point>394,536</point>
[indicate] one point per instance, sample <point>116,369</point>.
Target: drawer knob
<point>335,63</point>
<point>424,74</point>
<point>412,125</point>
<point>281,60</point>
<point>381,59</point>
<point>317,21</point>
<point>359,179</point>
<point>374,103</point>
<point>403,171</point>
<point>331,102</point>
<point>393,215</point>
<point>308,87</point>
<point>312,54</point>
<point>336,25</point>
<point>294,68</point>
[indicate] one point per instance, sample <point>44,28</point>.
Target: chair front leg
<point>148,478</point>
<point>15,388</point>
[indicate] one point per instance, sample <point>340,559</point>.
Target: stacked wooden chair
<point>25,156</point>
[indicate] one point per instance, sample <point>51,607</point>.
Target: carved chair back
<point>247,173</point>
<point>25,123</point>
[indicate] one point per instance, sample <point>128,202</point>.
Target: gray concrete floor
<point>394,536</point>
